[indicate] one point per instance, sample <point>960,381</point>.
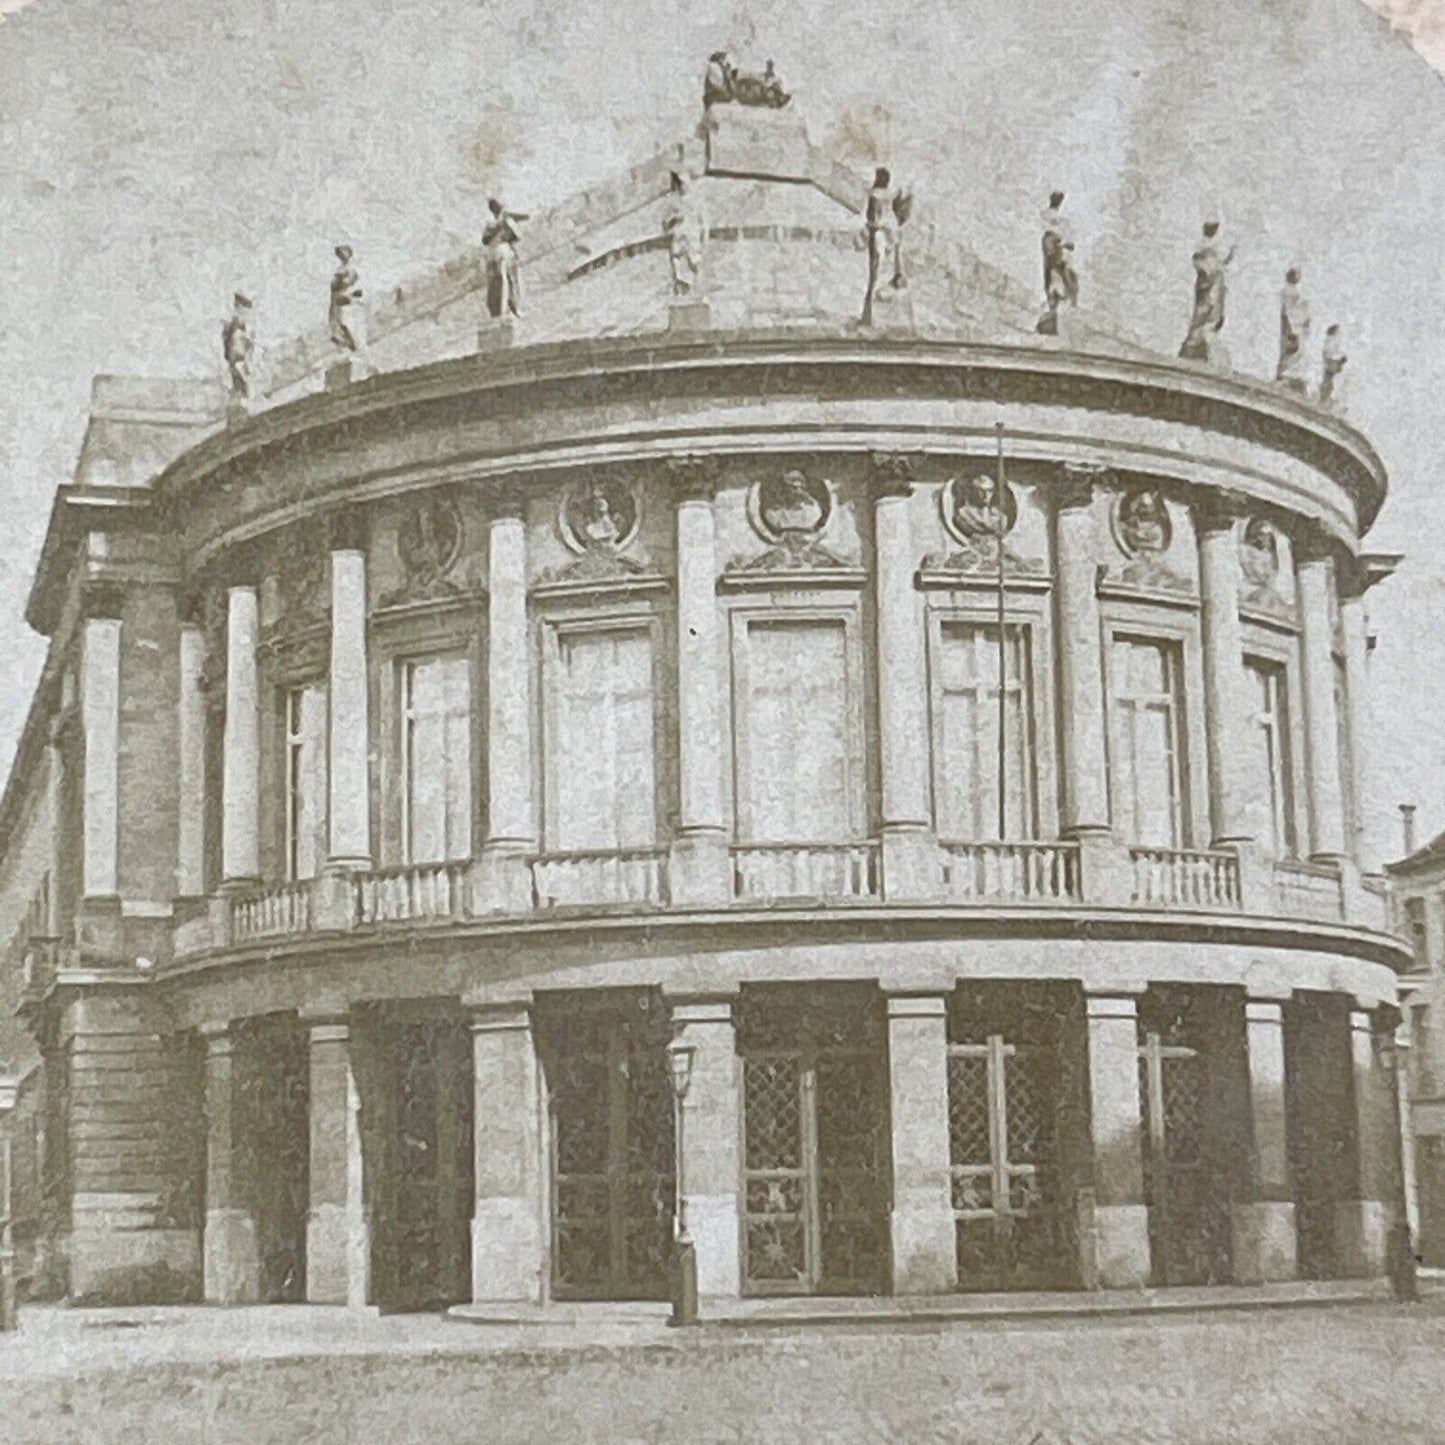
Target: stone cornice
<point>723,364</point>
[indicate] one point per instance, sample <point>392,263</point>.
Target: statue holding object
<point>1211,266</point>
<point>724,83</point>
<point>238,346</point>
<point>347,314</point>
<point>887,212</point>
<point>1294,333</point>
<point>1061,280</point>
<point>685,227</point>
<point>499,242</point>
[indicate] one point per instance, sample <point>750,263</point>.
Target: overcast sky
<point>155,154</point>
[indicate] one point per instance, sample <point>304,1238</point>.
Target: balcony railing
<point>763,872</point>
<point>1185,878</point>
<point>573,880</point>
<point>1308,890</point>
<point>415,893</point>
<point>1011,872</point>
<point>271,912</point>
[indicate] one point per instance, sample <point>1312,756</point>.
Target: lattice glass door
<point>1188,1219</point>
<point>1003,1159</point>
<point>612,1159</point>
<point>816,1205</point>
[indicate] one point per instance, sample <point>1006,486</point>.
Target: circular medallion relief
<point>792,507</point>
<point>975,507</point>
<point>599,515</point>
<point>429,537</point>
<point>1259,552</point>
<point>1141,523</point>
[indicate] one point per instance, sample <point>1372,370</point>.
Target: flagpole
<point>1000,506</point>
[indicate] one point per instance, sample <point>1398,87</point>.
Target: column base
<point>1362,1229</point>
<point>495,333</point>
<point>338,1257</point>
<point>910,865</point>
<point>333,896</point>
<point>1106,874</point>
<point>925,1246</point>
<point>229,1258</point>
<point>1118,1241</point>
<point>1263,1242</point>
<point>502,880</point>
<point>688,313</point>
<point>134,1266</point>
<point>712,1221</point>
<point>508,1259</point>
<point>699,871</point>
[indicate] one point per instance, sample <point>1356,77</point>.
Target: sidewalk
<point>54,1340</point>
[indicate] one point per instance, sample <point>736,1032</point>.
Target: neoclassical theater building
<point>948,737</point>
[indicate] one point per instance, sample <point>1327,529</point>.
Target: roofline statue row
<point>887,210</point>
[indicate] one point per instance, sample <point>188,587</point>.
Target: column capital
<point>327,1028</point>
<point>695,1008</point>
<point>1312,545</point>
<point>508,500</point>
<point>694,476</point>
<point>1115,1004</point>
<point>347,529</point>
<point>509,1016</point>
<point>1218,511</point>
<point>102,601</point>
<point>917,1005</point>
<point>1264,1011</point>
<point>220,1041</point>
<point>1077,484</point>
<point>892,474</point>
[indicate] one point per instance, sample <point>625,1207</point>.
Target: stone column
<point>55,821</point>
<point>711,1129</point>
<point>509,1255</point>
<point>1327,805</point>
<point>699,862</point>
<point>338,1235</point>
<point>230,1262</point>
<point>349,802</point>
<point>1357,721</point>
<point>925,1247</point>
<point>100,719</point>
<point>1362,1222</point>
<point>191,751</point>
<point>1263,1224</point>
<point>1117,1254</point>
<point>512,820</point>
<point>1225,716</point>
<point>910,854</point>
<point>241,743</point>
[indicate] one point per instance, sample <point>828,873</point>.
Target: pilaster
<point>1315,581</point>
<point>349,802</point>
<point>338,1235</point>
<point>229,1259</point>
<point>241,744</point>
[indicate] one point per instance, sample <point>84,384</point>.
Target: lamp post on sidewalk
<point>684,1255</point>
<point>1399,1249</point>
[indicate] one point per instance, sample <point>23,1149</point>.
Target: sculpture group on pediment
<point>725,84</point>
<point>429,537</point>
<point>1144,532</point>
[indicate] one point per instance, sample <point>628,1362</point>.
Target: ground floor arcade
<point>835,1139</point>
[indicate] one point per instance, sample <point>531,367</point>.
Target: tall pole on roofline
<point>1000,503</point>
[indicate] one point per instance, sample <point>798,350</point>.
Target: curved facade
<point>951,742</point>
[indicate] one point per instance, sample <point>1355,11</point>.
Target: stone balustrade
<point>1011,872</point>
<point>766,872</point>
<point>1186,878</point>
<point>632,876</point>
<point>416,893</point>
<point>271,912</point>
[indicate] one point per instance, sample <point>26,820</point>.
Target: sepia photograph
<point>722,724</point>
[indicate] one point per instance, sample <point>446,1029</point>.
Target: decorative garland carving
<point>791,512</point>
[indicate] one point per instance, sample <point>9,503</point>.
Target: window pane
<point>602,785</point>
<point>1268,793</point>
<point>306,780</point>
<point>797,788</point>
<point>1147,774</point>
<point>436,721</point>
<point>966,770</point>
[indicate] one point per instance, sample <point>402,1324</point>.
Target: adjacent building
<point>947,737</point>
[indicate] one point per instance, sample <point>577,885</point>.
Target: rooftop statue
<point>1333,359</point>
<point>685,227</point>
<point>1211,265</point>
<point>499,241</point>
<point>1061,280</point>
<point>1294,333</point>
<point>347,314</point>
<point>887,212</point>
<point>238,345</point>
<point>724,83</point>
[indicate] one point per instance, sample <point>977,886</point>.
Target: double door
<point>612,1155</point>
<point>817,1170</point>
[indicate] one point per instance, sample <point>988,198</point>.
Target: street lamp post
<point>684,1254</point>
<point>1399,1249</point>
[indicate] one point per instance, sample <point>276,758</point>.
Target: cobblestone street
<point>1368,1373</point>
